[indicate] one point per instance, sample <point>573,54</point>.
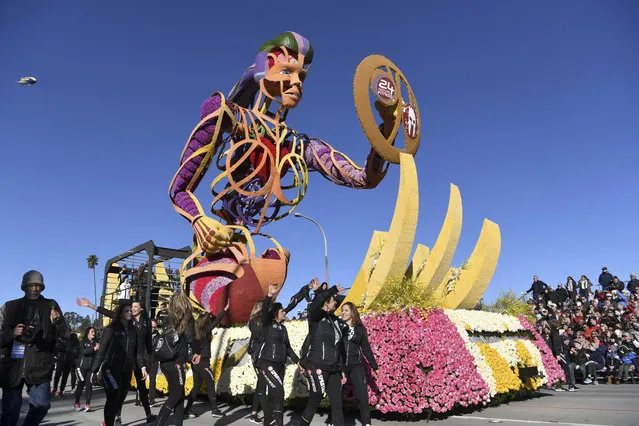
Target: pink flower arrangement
<point>553,369</point>
<point>423,364</point>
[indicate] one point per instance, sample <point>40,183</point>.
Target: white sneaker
<point>587,381</point>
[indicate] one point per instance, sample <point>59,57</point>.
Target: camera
<point>29,333</point>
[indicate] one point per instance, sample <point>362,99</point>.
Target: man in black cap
<point>605,279</point>
<point>29,328</point>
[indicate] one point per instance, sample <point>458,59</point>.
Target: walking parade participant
<point>68,352</point>
<point>274,351</point>
<point>121,351</point>
<point>141,322</point>
<point>202,370</point>
<point>173,352</point>
<point>255,343</point>
<point>356,348</point>
<point>323,361</point>
<point>256,340</point>
<point>88,350</point>
<point>153,364</point>
<point>29,328</point>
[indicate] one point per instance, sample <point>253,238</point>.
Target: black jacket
<point>186,345</point>
<point>143,326</point>
<point>325,349</point>
<point>276,345</point>
<point>68,351</point>
<point>537,287</point>
<point>120,350</point>
<point>605,279</point>
<point>206,344</point>
<point>37,364</point>
<point>632,286</point>
<point>87,353</point>
<point>356,346</point>
<point>256,340</point>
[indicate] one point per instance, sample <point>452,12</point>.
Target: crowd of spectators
<point>591,329</point>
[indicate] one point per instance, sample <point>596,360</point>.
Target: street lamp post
<point>323,235</point>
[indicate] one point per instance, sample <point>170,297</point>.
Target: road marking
<point>579,408</point>
<point>535,422</point>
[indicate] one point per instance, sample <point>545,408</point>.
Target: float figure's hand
<point>211,235</point>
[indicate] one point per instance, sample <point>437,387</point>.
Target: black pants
<point>273,401</point>
<point>74,376</point>
<point>84,383</point>
<point>153,373</point>
<point>321,382</point>
<point>202,373</point>
<point>141,393</point>
<point>358,379</point>
<point>175,373</point>
<point>258,394</point>
<point>62,370</point>
<point>116,387</point>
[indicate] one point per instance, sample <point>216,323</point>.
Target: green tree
<point>510,303</point>
<point>92,262</point>
<point>77,322</point>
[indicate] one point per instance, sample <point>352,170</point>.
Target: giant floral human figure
<point>263,169</point>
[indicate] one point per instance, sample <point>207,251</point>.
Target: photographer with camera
<point>29,329</point>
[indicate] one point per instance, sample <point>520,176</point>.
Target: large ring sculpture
<point>385,80</point>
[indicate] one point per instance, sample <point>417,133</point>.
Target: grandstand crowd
<point>591,328</point>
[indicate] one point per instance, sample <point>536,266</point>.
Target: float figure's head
<point>278,73</point>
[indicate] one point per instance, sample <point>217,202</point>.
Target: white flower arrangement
<point>508,351</point>
<point>239,377</point>
<point>483,368</point>
<point>481,321</point>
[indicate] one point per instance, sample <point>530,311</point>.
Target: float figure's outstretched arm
<point>341,170</point>
<point>217,117</point>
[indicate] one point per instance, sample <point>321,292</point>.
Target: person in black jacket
<point>356,347</point>
<point>605,278</point>
<point>88,349</point>
<point>179,330</point>
<point>142,323</point>
<point>29,328</point>
<point>324,359</point>
<point>537,288</point>
<point>275,349</point>
<point>153,364</point>
<point>68,352</point>
<point>202,372</point>
<point>121,351</point>
<point>255,342</point>
<point>633,284</point>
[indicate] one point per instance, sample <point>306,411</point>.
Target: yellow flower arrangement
<point>403,293</point>
<point>526,360</point>
<point>504,376</point>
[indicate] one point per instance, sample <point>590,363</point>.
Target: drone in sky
<point>27,81</point>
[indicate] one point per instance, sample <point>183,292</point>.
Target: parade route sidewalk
<point>609,405</point>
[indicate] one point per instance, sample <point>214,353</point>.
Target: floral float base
<point>433,361</point>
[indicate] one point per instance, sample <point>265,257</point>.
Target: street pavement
<point>609,405</point>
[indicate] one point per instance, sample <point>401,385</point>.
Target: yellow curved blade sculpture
<point>418,263</point>
<point>441,256</point>
<point>474,280</point>
<point>388,252</point>
<point>398,241</point>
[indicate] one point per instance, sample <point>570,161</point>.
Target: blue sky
<point>531,108</point>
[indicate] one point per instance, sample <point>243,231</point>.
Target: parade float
<point>435,353</point>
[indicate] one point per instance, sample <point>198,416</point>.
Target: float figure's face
<point>283,80</point>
